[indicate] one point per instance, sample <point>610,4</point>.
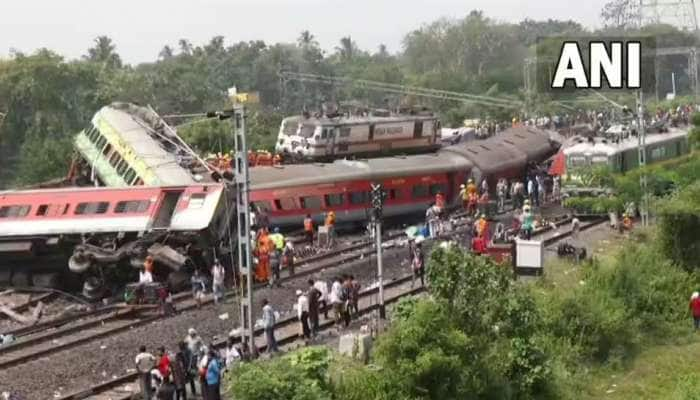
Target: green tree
<point>104,52</point>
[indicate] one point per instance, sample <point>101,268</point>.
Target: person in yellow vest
<point>471,187</point>
<point>464,195</point>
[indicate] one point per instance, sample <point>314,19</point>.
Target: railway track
<point>287,332</point>
<point>125,386</point>
<point>88,327</point>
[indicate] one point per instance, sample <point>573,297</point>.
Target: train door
<point>451,189</point>
<point>418,129</point>
<point>371,132</point>
<point>166,209</point>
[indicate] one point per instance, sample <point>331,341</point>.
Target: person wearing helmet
<point>464,195</point>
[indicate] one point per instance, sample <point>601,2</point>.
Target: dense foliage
<point>48,99</point>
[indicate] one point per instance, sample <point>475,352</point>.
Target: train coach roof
<point>535,143</point>
<point>359,120</point>
<point>343,170</point>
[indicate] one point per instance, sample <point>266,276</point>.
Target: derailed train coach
<point>93,232</point>
<point>288,193</point>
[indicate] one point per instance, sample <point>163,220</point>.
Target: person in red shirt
<point>695,309</point>
<point>163,362</point>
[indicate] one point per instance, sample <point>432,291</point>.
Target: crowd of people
<point>168,374</point>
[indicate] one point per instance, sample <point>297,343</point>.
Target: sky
<point>140,29</point>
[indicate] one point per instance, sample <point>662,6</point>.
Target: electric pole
<point>641,135</point>
<point>242,182</point>
<point>378,196</point>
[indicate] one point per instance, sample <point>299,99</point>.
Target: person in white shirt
<point>303,313</point>
<point>218,274</point>
<point>145,277</point>
<point>269,320</point>
<point>322,287</point>
<point>232,355</point>
<point>145,362</point>
<point>337,301</point>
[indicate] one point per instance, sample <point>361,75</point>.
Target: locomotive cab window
<point>285,204</point>
<point>420,191</point>
<point>98,207</point>
<point>311,203</point>
<point>334,200</point>
<point>17,211</point>
<point>345,132</point>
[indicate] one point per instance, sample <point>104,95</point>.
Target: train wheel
<point>178,281</point>
<point>21,279</point>
<point>93,288</point>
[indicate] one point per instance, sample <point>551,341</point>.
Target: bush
<point>302,375</point>
<point>594,205</point>
<point>680,227</point>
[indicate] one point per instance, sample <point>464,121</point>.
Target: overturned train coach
<point>92,229</point>
<point>288,193</point>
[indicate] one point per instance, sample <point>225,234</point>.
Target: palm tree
<point>166,53</point>
<point>306,39</point>
<point>104,52</point>
<point>347,48</point>
<point>185,46</point>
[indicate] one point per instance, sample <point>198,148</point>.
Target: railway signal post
<point>242,180</point>
<point>378,196</point>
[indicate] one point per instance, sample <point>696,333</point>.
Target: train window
<point>114,159</point>
<point>16,211</point>
<point>262,206</point>
<point>139,182</point>
<point>345,132</point>
<point>286,203</point>
<point>98,207</point>
<point>129,176</point>
<point>394,194</point>
<point>132,206</point>
<point>101,142</point>
<point>122,167</point>
<point>343,147</point>
<point>437,187</point>
<point>359,197</point>
<point>334,200</point>
<point>324,134</point>
<point>420,191</point>
<point>311,203</point>
<point>107,149</point>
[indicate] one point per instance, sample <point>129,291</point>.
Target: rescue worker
<point>309,229</point>
<point>472,203</point>
<point>288,257</point>
<point>330,226</point>
<point>528,221</point>
<point>464,195</point>
<point>483,228</point>
<point>264,247</point>
<point>501,191</point>
<point>471,187</point>
<point>432,219</point>
<point>484,202</point>
<point>418,265</point>
<point>484,186</point>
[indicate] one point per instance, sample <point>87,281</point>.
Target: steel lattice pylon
<point>678,13</point>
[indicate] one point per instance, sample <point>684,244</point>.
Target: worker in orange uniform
<point>264,247</point>
<point>471,203</point>
<point>482,229</point>
<point>309,229</point>
<point>330,226</point>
